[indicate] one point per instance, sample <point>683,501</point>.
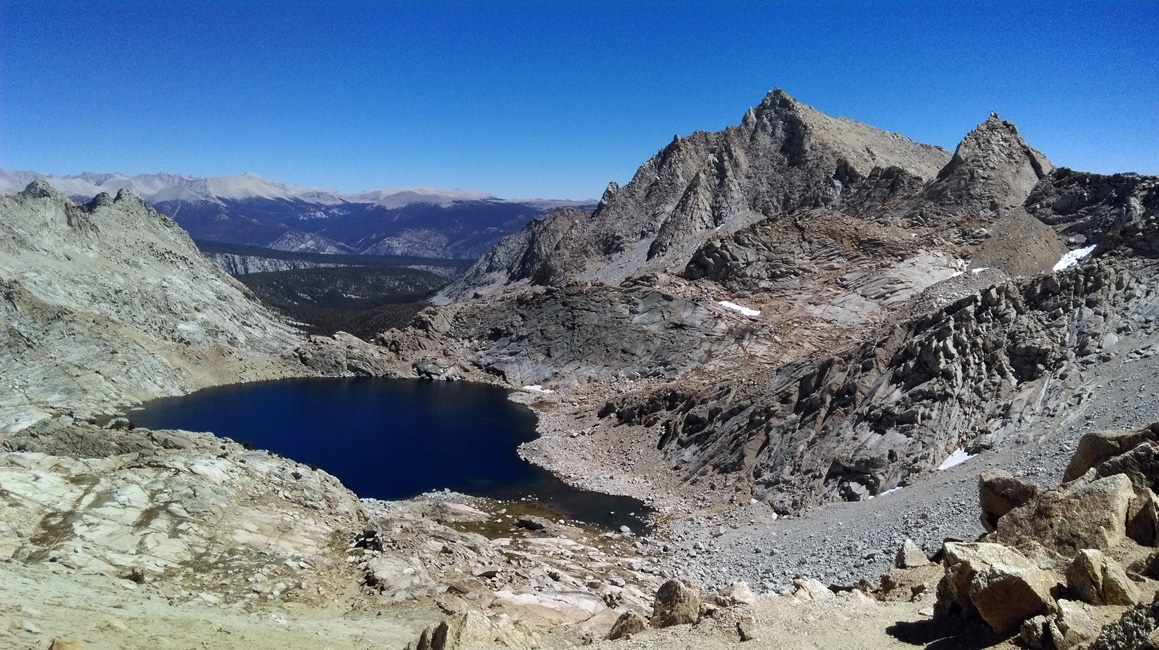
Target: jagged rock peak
<point>40,189</point>
<point>777,98</point>
<point>992,168</point>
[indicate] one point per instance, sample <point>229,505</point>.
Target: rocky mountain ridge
<point>109,303</point>
<point>921,270</point>
<point>251,210</point>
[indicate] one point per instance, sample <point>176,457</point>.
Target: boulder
<point>1071,517</point>
<point>738,593</point>
<point>994,581</point>
<point>910,556</point>
<point>1099,580</point>
<point>628,624</point>
<point>473,630</point>
<point>1098,446</point>
<point>428,368</point>
<point>676,603</point>
<point>532,522</point>
<point>999,492</point>
<point>1143,518</point>
<point>1140,464</point>
<point>746,629</point>
<point>812,589</point>
<point>1035,632</point>
<point>1070,628</point>
<point>1005,595</point>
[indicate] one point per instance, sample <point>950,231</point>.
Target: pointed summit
<point>780,99</point>
<point>41,189</point>
<point>993,168</point>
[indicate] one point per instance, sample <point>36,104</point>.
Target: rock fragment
<point>1072,517</point>
<point>1099,580</point>
<point>676,603</point>
<point>738,593</point>
<point>999,492</point>
<point>910,556</point>
<point>746,629</point>
<point>626,625</point>
<point>1096,447</point>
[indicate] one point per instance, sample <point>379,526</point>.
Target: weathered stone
<point>1071,517</point>
<point>999,492</point>
<point>532,522</point>
<point>486,571</point>
<point>451,512</point>
<point>1005,596</point>
<point>626,625</point>
<point>1140,464</point>
<point>1143,518</point>
<point>738,593</point>
<point>910,556</point>
<point>981,576</point>
<point>1072,626</point>
<point>1035,632</point>
<point>473,630</point>
<point>1099,580</point>
<point>1096,447</point>
<point>746,629</point>
<point>676,603</point>
<point>812,589</point>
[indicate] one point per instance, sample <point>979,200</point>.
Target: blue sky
<point>548,99</point>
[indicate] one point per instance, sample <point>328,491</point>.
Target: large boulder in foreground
<point>676,603</point>
<point>1071,517</point>
<point>999,584</point>
<point>1098,446</point>
<point>1005,595</point>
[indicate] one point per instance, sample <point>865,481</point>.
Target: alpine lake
<point>393,438</point>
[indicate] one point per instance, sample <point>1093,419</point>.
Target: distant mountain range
<point>255,211</point>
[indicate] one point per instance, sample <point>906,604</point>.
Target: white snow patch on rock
<point>744,310</point>
<point>536,388</point>
<point>957,458</point>
<point>1072,257</point>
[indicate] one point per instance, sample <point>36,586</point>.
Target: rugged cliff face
<point>110,303</point>
<point>813,309</point>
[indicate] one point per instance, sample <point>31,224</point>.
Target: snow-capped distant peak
<point>158,188</point>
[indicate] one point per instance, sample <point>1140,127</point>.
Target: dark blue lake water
<point>391,438</point>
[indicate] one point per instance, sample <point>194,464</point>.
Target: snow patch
<point>979,269</point>
<point>735,307</point>
<point>957,458</point>
<point>536,388</point>
<point>1072,257</point>
<point>889,491</point>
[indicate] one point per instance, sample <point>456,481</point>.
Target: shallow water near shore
<point>392,438</point>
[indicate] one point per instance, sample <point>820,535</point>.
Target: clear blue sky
<point>551,98</point>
